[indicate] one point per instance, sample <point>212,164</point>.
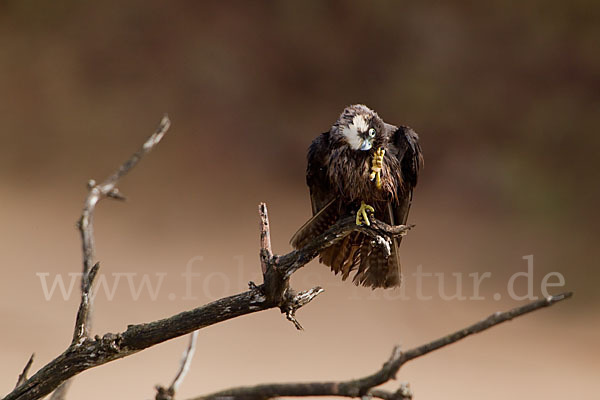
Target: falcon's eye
<point>372,132</point>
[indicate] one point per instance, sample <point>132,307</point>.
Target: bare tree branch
<point>275,292</point>
<point>85,224</point>
<point>163,393</point>
<point>364,386</point>
<point>97,192</point>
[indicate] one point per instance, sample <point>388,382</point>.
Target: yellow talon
<point>362,214</point>
<point>376,166</point>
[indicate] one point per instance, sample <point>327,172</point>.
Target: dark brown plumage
<point>338,176</point>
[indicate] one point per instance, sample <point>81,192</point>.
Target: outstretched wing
<point>325,206</point>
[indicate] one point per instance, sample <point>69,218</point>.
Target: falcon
<point>362,166</point>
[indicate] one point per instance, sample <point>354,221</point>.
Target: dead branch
<point>96,193</point>
<point>364,386</point>
<point>275,292</point>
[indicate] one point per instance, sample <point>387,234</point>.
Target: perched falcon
<point>361,165</point>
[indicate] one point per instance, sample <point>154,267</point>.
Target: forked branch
<point>365,386</point>
<point>97,192</point>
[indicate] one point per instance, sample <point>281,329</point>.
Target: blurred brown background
<point>506,99</point>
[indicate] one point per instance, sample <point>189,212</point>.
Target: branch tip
<point>163,127</point>
<point>23,376</point>
<point>295,301</point>
<point>266,251</point>
<point>116,194</point>
<point>559,297</point>
<point>186,361</point>
<point>163,393</point>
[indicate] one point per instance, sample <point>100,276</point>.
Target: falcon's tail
<point>355,252</point>
<point>358,252</point>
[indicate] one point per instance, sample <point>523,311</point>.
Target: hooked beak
<point>366,145</point>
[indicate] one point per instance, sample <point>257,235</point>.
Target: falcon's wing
<point>321,193</point>
<point>324,203</point>
<point>408,152</point>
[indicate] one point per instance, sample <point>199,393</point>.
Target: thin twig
<point>186,361</point>
<point>492,320</point>
<point>163,393</point>
<point>364,386</point>
<point>23,376</point>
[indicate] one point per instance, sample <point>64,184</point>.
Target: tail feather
<point>383,269</point>
<point>354,252</point>
<point>349,263</point>
<point>363,266</point>
<point>357,252</point>
<point>343,251</point>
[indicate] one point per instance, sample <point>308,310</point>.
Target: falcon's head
<point>359,127</point>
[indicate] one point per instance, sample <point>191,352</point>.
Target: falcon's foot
<point>361,214</point>
<point>376,166</point>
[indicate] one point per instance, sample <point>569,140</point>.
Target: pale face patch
<point>353,131</point>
